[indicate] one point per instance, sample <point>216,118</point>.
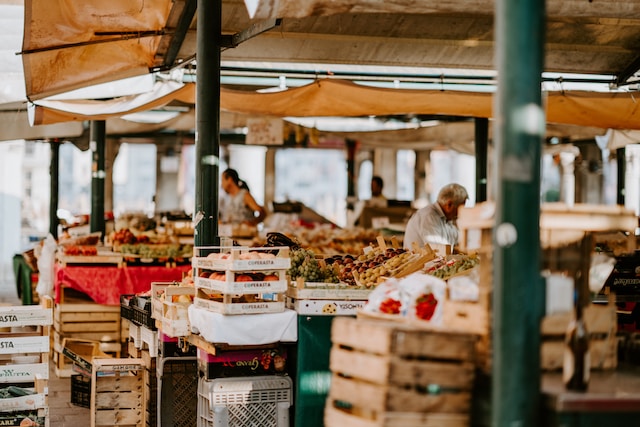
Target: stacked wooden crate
<point>24,369</point>
<point>117,392</point>
<point>390,374</point>
<point>241,280</point>
<point>81,318</point>
<point>143,344</point>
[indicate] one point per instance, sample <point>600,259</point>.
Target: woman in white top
<point>239,206</point>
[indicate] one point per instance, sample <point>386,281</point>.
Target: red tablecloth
<point>105,284</point>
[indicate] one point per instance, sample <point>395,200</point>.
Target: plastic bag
<point>417,296</point>
<point>425,295</point>
<point>46,262</point>
<point>601,267</point>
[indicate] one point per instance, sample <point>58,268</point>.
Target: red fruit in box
<point>271,277</point>
<point>204,274</point>
<point>243,278</point>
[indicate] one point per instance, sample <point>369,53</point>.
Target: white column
<point>568,179</point>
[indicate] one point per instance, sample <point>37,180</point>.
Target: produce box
<point>175,315</point>
<point>338,307</point>
<point>227,304</point>
<point>25,315</point>
<point>238,258</point>
<point>37,418</point>
<point>82,352</point>
<point>326,291</point>
<point>230,282</point>
<point>387,374</point>
<point>117,392</point>
<point>241,363</point>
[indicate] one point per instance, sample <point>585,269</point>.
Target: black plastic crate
<point>81,391</point>
<point>141,309</point>
<point>177,391</point>
<point>126,310</point>
<point>173,349</point>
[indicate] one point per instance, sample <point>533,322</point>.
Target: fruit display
<point>372,267</point>
<point>148,244</point>
<point>326,241</point>
<point>144,250</point>
<point>82,250</point>
<point>304,264</point>
<point>446,267</point>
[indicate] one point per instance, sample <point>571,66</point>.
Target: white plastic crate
<point>245,402</point>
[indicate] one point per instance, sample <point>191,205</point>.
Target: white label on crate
<point>33,401</point>
<point>35,344</point>
<point>25,316</point>
<point>25,372</point>
<point>379,222</point>
<point>326,307</point>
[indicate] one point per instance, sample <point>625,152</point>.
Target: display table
<point>104,284</point>
<point>613,399</point>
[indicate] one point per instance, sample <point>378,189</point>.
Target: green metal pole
<point>518,302</point>
<point>54,168</point>
<point>481,148</point>
<point>621,160</point>
<point>97,138</point>
<point>207,122</point>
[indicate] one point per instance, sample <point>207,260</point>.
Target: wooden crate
<point>87,320</point>
<point>385,373</point>
<point>117,392</point>
<point>601,323</point>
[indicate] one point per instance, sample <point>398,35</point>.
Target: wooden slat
<point>339,418</point>
<point>604,354</point>
<point>600,319</point>
<point>389,369</point>
<point>380,337</point>
<point>117,417</point>
<point>119,400</point>
<point>381,398</point>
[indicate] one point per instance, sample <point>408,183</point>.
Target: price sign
<point>380,222</point>
<point>225,230</point>
<point>264,131</point>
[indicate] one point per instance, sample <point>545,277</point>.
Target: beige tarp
<point>340,98</point>
<point>69,44</point>
<point>49,111</point>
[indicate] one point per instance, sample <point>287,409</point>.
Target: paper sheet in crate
<point>250,329</point>
<point>325,307</point>
<point>327,291</point>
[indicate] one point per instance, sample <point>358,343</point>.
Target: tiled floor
<point>61,412</point>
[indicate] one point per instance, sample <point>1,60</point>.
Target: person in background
<point>377,200</point>
<point>436,223</point>
<point>239,206</point>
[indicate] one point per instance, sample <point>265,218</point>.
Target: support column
<point>481,146</point>
<point>54,168</point>
<point>207,122</point>
<point>518,297</point>
<point>97,138</point>
<point>621,157</point>
<point>351,173</point>
<point>568,180</point>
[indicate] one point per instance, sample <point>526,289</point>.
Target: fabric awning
<point>338,98</point>
<point>69,44</point>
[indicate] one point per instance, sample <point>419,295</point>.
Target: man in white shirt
<point>436,223</point>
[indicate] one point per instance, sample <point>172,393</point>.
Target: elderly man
<point>436,223</point>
